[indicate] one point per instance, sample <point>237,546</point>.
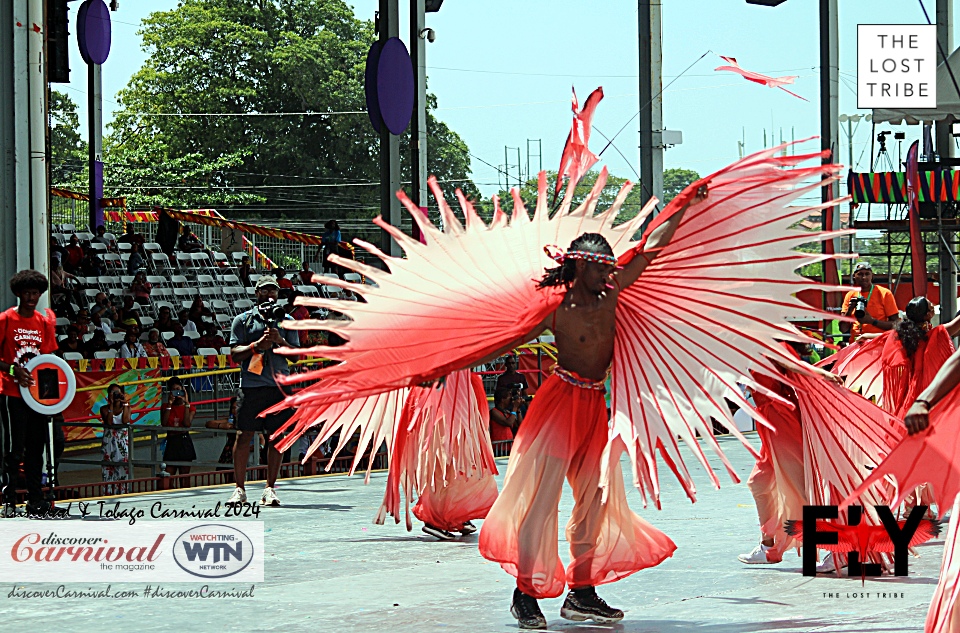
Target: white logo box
<point>896,66</point>
<point>114,551</point>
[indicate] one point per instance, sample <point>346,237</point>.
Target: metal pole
<point>39,190</point>
<point>95,146</point>
<point>829,98</point>
<point>651,104</point>
<point>948,272</point>
<point>389,144</point>
<point>418,123</point>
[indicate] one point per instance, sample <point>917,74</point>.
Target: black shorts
<point>255,400</point>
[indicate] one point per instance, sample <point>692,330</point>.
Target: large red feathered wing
<point>929,457</point>
<point>709,309</point>
<point>858,364</point>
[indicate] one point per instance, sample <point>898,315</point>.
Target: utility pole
<point>651,103</point>
<point>418,123</point>
<point>389,143</point>
<point>829,114</point>
<point>948,270</point>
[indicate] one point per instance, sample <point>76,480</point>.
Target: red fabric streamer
<point>749,75</point>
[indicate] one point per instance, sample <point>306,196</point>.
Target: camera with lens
<point>271,313</point>
<point>859,307</point>
<point>516,392</point>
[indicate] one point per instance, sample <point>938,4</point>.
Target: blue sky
<point>502,72</point>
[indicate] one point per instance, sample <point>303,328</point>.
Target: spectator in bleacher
<point>211,337</point>
<point>131,347</point>
<point>63,289</point>
<point>154,346</point>
<point>281,274</point>
<point>131,236</point>
<point>104,307</point>
<point>115,442</point>
<point>57,249</point>
<point>83,320</point>
<point>164,321</point>
<point>137,259</point>
<point>97,343</point>
<point>176,411</point>
<point>140,288</point>
<point>92,265</point>
<point>72,343</point>
<point>188,242</point>
<point>244,270</point>
<point>128,312</point>
<point>199,313</point>
<point>99,324</point>
<point>330,239</point>
<point>74,256</point>
<point>181,343</point>
<point>185,322</point>
<point>101,237</point>
<point>306,275</point>
<point>299,313</point>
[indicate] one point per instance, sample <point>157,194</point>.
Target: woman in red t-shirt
<point>504,418</point>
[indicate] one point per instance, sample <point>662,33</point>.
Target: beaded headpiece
<point>559,255</point>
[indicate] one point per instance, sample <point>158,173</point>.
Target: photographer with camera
<point>873,306</point>
<point>115,442</point>
<point>511,376</point>
<point>253,337</point>
<point>505,414</point>
<point>176,411</point>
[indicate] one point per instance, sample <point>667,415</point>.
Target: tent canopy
<point>948,101</point>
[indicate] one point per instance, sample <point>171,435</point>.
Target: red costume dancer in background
<point>777,482</point>
<point>825,441</point>
<point>438,446</point>
<point>442,452</point>
<point>708,310</point>
<point>894,367</point>
<point>931,454</point>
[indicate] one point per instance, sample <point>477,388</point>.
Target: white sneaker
<point>827,565</point>
<point>761,555</point>
<point>269,497</point>
<point>239,496</point>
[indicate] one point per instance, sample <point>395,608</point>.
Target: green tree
<point>259,57</point>
<point>674,181</point>
<point>68,152</point>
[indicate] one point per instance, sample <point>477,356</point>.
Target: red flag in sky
<point>577,157</point>
<point>772,82</point>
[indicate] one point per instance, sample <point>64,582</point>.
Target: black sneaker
<point>585,604</point>
<point>468,528</point>
<point>9,511</point>
<point>46,510</point>
<point>436,532</point>
<point>527,612</point>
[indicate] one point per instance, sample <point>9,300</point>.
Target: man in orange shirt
<point>880,313</point>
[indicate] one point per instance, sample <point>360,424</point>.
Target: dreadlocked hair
<point>912,330</point>
<point>563,274</point>
<point>28,280</point>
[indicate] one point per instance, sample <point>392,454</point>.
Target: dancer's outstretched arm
<point>658,240</point>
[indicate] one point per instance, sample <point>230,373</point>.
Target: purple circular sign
<point>370,85</point>
<point>93,31</point>
<point>395,85</point>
